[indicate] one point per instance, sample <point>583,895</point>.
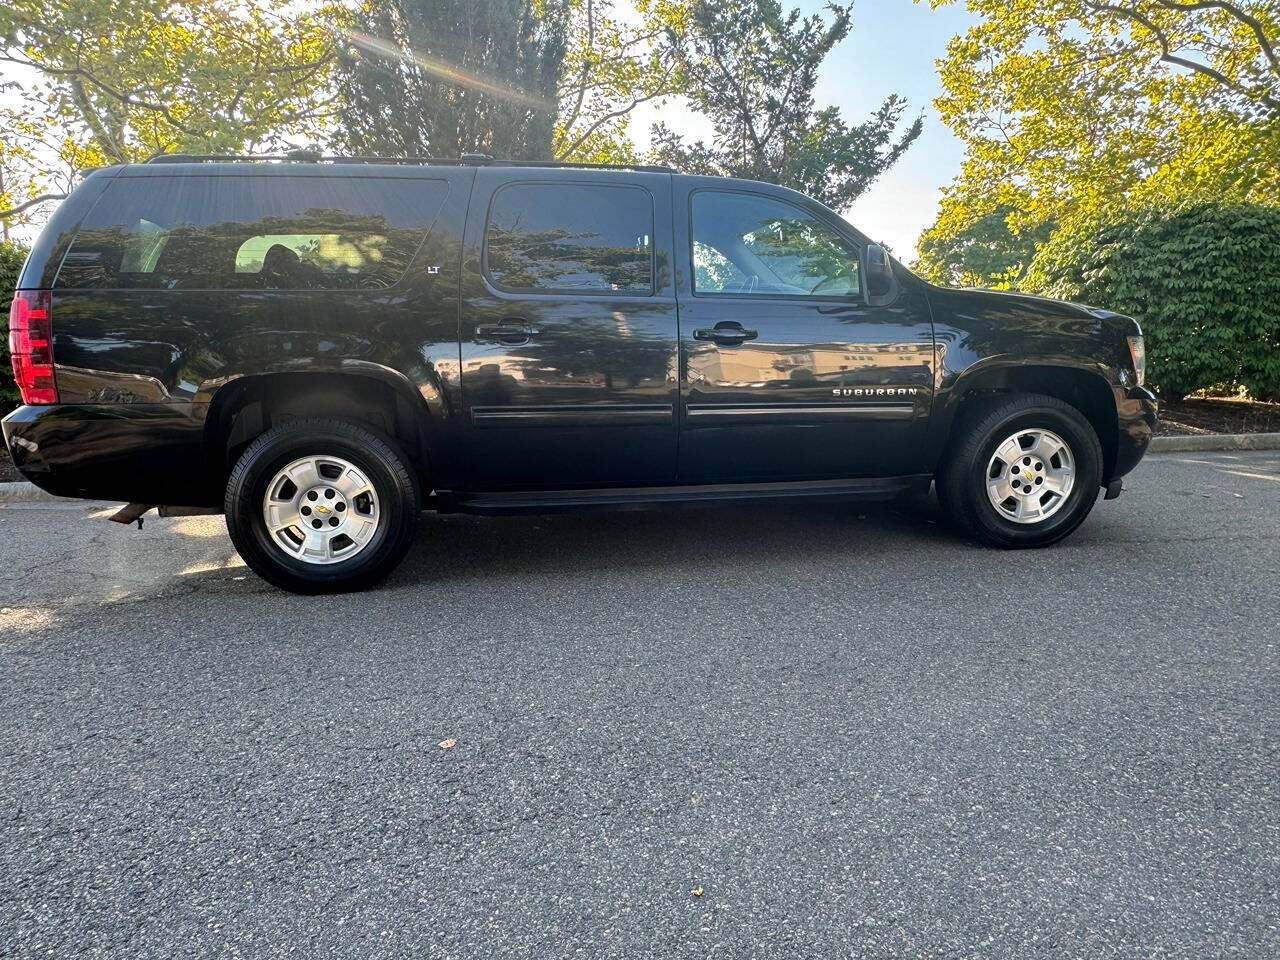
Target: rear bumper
<point>137,452</point>
<point>1136,410</point>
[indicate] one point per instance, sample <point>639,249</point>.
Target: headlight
<point>1139,354</point>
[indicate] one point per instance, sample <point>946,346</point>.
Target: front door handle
<point>510,332</point>
<point>728,332</point>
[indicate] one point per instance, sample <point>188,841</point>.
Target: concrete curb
<point>1215,441</point>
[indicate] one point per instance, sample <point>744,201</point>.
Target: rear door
<point>568,329</point>
<point>790,371</point>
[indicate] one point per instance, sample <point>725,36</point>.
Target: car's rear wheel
<point>321,505</point>
<point>1023,472</point>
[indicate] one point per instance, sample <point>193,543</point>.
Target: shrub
<point>11,257</point>
<point>1204,283</point>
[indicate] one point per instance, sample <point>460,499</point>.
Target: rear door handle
<point>726,332</point>
<point>509,332</point>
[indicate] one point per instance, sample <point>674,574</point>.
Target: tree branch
<point>125,98</point>
<point>1232,10</point>
<point>745,112</point>
<point>1168,56</point>
<point>586,67</point>
<point>34,201</point>
<point>612,115</point>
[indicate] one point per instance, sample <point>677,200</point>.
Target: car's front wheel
<point>321,505</point>
<point>1025,472</point>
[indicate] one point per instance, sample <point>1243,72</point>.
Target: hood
<point>1015,298</point>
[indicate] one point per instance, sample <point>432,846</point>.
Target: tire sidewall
<point>1086,453</point>
<point>266,457</point>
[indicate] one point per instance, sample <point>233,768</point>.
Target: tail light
<point>31,345</point>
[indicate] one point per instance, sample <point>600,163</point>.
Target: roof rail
<point>467,159</point>
<point>293,156</point>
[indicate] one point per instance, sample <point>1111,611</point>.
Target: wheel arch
<point>242,408</point>
<point>1085,389</point>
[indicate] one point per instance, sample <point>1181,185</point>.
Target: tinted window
<point>265,232</point>
<point>755,245</point>
<point>570,236</point>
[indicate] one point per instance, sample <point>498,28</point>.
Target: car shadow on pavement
<point>192,557</point>
<point>706,539</point>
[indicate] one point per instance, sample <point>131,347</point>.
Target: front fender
<point>993,342</point>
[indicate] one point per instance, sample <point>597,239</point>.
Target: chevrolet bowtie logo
<point>321,508</point>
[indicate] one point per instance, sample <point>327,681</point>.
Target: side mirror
<point>879,271</point>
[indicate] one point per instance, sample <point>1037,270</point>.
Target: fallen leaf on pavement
<point>696,891</point>
<point>446,744</point>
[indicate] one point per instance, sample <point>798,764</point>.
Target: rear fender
<point>235,411</point>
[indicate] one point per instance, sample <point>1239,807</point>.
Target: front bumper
<point>137,452</point>
<point>1136,410</point>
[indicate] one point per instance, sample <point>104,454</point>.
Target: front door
<point>568,330</point>
<point>789,370</point>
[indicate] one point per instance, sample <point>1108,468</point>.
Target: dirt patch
<point>1192,416</point>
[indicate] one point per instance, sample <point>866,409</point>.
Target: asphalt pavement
<point>759,731</point>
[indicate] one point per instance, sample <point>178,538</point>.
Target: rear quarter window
<point>247,232</point>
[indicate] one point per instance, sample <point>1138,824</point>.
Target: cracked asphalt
<point>854,734</point>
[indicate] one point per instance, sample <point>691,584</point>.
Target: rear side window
<point>246,232</point>
<point>572,237</point>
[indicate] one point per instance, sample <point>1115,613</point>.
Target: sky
<point>892,48</point>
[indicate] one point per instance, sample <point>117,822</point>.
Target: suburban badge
<point>873,392</point>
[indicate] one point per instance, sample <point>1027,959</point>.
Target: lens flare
<point>447,72</point>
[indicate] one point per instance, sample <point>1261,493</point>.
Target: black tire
<point>377,457</point>
<point>961,481</point>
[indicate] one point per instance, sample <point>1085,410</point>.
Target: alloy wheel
<point>321,510</point>
<point>1030,476</point>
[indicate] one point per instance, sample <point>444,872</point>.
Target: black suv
<point>321,347</point>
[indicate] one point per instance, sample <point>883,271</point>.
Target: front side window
<point>572,237</point>
<point>252,232</point>
<point>748,244</point>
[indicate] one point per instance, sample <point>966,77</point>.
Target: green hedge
<point>11,257</point>
<point>1204,283</point>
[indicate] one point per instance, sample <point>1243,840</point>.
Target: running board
<point>637,498</point>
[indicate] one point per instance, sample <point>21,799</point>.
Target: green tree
<point>521,79</point>
<point>984,253</point>
<point>752,69</point>
<point>611,66</point>
<point>1204,282</point>
<point>1073,108</point>
<point>121,79</point>
<point>446,77</point>
<point>11,258</point>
